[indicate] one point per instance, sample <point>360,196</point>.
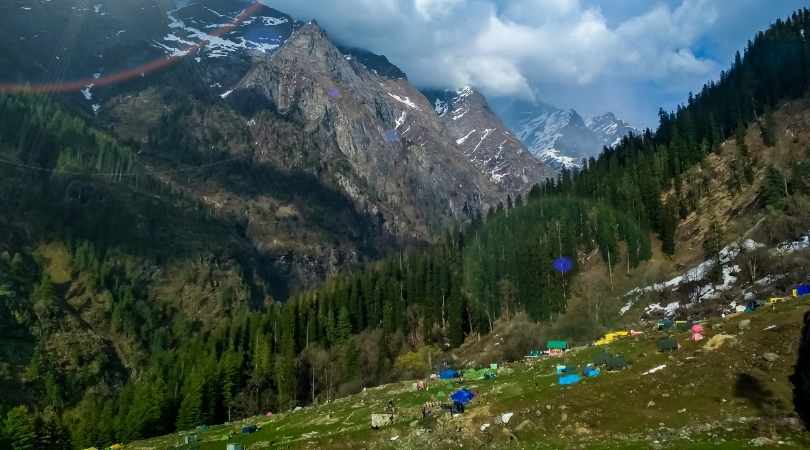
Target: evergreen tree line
<point>358,329</point>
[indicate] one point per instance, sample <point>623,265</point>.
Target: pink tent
<point>697,332</point>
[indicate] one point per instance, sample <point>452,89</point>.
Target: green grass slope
<point>731,397</point>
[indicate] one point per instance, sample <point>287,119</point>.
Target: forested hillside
<point>130,310</point>
<point>136,310</point>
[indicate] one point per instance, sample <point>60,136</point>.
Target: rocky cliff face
<point>487,142</point>
<point>379,140</point>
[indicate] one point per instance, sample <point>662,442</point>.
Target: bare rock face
<point>487,142</point>
<point>376,139</point>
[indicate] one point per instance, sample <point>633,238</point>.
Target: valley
<point>215,215</point>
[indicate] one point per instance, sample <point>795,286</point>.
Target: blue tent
<point>448,374</point>
<point>462,396</point>
<point>591,372</point>
<point>570,379</point>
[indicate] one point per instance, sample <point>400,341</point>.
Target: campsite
<point>730,390</point>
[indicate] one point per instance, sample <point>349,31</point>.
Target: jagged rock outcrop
<point>378,139</point>
<point>487,142</point>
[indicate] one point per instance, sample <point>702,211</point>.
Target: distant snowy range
<point>559,137</point>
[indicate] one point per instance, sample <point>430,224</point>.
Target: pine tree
<point>669,228</point>
<point>768,129</point>
<point>739,136</point>
<point>774,189</point>
<point>711,250</point>
<point>344,325</point>
<point>51,432</point>
<point>19,429</point>
<point>285,376</point>
<point>190,413</point>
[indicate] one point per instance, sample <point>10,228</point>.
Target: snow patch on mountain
<point>257,34</point>
<point>405,101</point>
<point>401,120</point>
<point>463,139</point>
<point>553,157</point>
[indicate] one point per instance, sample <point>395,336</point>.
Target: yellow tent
<point>611,337</point>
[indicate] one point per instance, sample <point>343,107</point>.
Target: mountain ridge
<point>486,141</point>
<point>560,137</point>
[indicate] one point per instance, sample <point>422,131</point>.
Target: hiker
<point>391,409</point>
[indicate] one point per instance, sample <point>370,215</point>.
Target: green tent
<point>479,374</point>
<point>557,345</point>
<point>667,344</point>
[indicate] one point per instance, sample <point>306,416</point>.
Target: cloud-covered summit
<point>630,56</point>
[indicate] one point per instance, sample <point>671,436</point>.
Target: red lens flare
<point>128,74</point>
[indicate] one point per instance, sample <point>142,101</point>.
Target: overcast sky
<point>625,56</point>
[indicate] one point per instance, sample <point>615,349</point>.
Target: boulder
<point>770,357</point>
<point>718,341</point>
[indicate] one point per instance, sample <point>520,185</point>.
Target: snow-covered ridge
<point>553,157</point>
<point>561,137</point>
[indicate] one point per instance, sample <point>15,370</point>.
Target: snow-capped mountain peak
<point>610,128</point>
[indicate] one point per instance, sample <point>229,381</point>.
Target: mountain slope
<point>218,82</point>
<point>486,141</point>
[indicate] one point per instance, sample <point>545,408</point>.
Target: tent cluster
<point>553,348</point>
<point>468,374</point>
<point>799,291</point>
<point>566,375</point>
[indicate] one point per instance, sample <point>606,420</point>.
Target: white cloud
<point>513,47</point>
<point>429,9</point>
